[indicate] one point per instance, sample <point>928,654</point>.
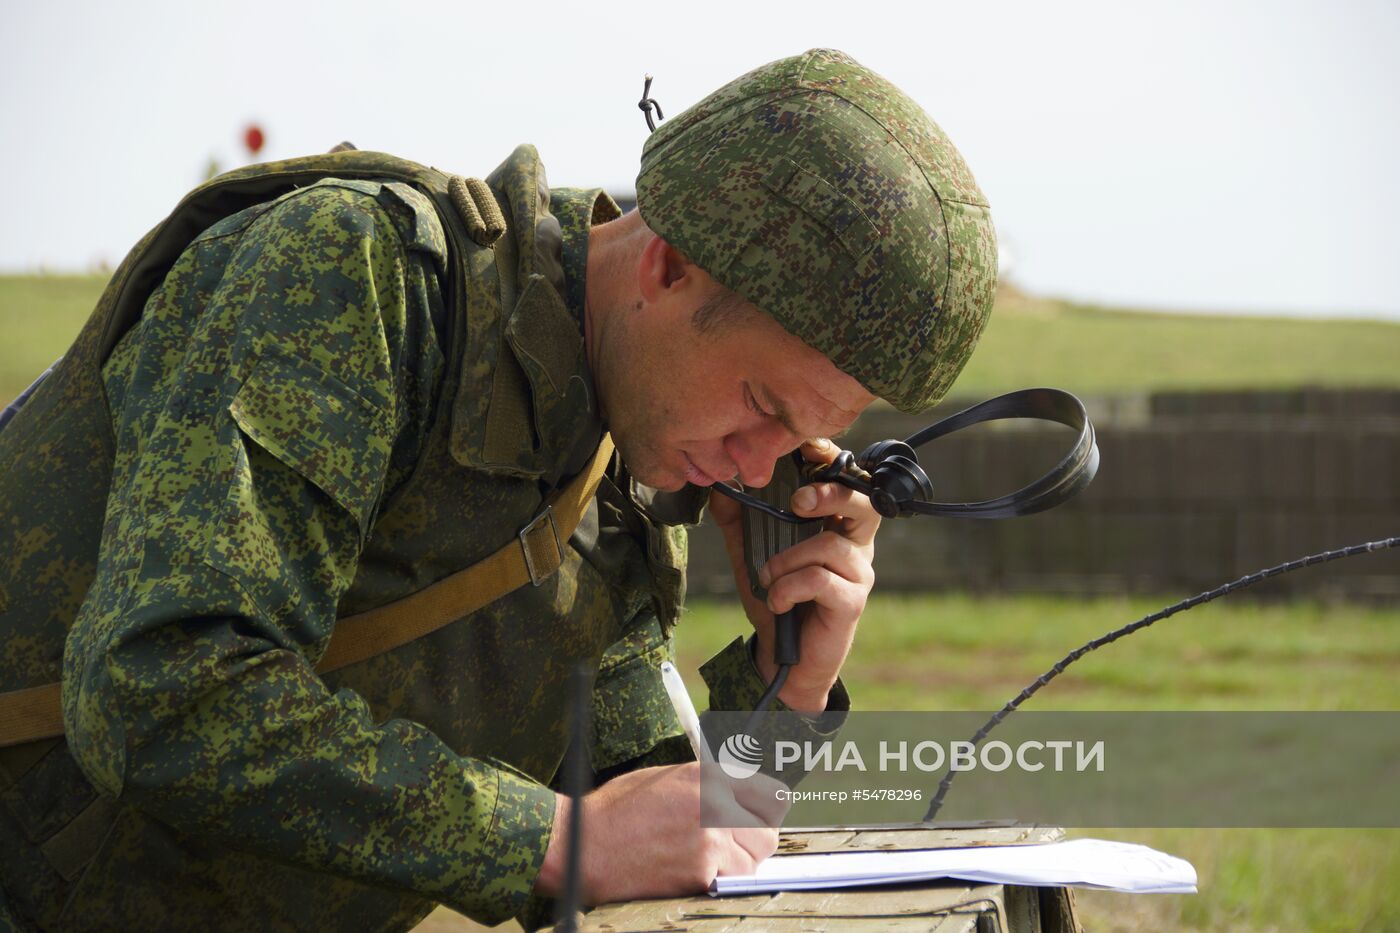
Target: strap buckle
<point>537,574</point>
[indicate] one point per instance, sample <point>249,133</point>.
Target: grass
<point>959,652</point>
<point>39,316</point>
<point>1028,342</point>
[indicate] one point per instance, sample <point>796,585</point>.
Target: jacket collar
<point>525,403</point>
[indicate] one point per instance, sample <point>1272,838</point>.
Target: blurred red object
<point>253,139</point>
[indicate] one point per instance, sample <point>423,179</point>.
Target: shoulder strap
<point>535,553</point>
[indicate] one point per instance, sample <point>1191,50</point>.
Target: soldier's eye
<point>752,402</point>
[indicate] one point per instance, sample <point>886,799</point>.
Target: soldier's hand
<point>831,570</point>
<point>642,838</point>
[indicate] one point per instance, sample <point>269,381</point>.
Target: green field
<point>957,652</point>
<point>39,317</point>
<point>1028,342</point>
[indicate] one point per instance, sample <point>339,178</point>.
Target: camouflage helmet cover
<point>825,196</point>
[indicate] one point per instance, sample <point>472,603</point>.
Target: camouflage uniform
<point>331,399</point>
<point>299,427</point>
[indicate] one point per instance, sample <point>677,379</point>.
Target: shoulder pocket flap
<point>318,426</point>
<point>421,227</point>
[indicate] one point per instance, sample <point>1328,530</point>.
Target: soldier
<point>318,511</point>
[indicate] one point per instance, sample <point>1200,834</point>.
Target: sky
<point>1203,156</point>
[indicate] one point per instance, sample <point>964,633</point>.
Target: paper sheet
<point>1084,863</point>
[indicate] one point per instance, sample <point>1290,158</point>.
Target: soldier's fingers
<point>819,450</point>
<point>722,809</point>
<point>759,795</point>
<point>828,549</point>
<point>818,585</point>
<point>752,844</point>
<point>860,520</point>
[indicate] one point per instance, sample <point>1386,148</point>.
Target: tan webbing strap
<point>31,714</point>
<point>535,553</point>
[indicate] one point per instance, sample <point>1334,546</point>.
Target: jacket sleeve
<point>259,408</point>
<point>634,723</point>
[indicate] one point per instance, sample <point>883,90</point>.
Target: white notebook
<point>1083,863</point>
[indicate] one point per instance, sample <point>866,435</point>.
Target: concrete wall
<point>1194,490</point>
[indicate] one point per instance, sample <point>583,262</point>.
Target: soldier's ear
<point>663,270</point>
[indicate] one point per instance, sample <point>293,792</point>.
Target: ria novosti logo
<point>740,756</point>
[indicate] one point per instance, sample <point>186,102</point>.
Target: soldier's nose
<point>754,458</point>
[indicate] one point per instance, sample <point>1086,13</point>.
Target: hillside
<point>1030,341</point>
<point>1093,350</point>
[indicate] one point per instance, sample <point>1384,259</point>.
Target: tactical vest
<point>505,432</point>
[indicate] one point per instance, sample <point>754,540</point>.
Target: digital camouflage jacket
<point>310,393</point>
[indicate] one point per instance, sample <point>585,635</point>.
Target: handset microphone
<point>766,534</point>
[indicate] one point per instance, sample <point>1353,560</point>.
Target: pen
<point>685,711</point>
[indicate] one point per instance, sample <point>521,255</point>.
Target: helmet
<point>823,195</point>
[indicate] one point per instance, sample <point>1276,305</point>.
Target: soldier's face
<point>686,406</point>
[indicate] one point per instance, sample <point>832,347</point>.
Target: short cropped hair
<point>722,309</point>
